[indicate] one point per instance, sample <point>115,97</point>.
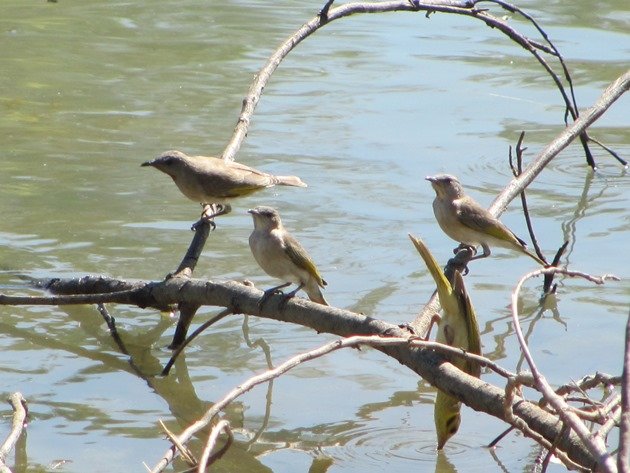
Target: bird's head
<point>447,419</point>
<point>446,186</point>
<point>265,218</point>
<point>169,162</point>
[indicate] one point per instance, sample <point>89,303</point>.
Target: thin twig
<point>307,356</point>
<point>18,422</point>
<point>595,445</point>
<point>516,171</point>
<point>192,336</point>
<point>111,325</point>
<point>609,150</point>
<point>570,105</point>
<point>185,453</point>
<point>207,460</point>
<point>624,428</point>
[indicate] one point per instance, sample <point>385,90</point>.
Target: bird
<point>467,222</point>
<point>281,256</point>
<point>215,181</point>
<point>457,327</point>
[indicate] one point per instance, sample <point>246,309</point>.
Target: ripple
<point>387,446</point>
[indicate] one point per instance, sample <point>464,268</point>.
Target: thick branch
<point>477,394</point>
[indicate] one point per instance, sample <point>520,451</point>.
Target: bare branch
<point>596,445</point>
<point>20,411</point>
<point>623,457</point>
<point>327,15</point>
<point>206,459</point>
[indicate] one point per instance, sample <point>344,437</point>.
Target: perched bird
<point>458,328</point>
<point>467,222</point>
<point>216,181</point>
<point>281,256</point>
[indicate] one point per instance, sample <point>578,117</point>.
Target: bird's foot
<point>464,247</point>
<point>271,292</point>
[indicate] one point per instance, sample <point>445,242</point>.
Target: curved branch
<point>464,7</point>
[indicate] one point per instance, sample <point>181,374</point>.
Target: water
<point>362,111</point>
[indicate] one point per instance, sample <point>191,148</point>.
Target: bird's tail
<point>289,181</point>
<point>525,250</point>
<point>315,294</point>
<point>534,257</point>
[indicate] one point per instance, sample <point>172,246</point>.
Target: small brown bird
<point>281,256</point>
<point>467,222</point>
<point>215,181</point>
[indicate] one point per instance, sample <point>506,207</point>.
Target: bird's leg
<point>206,217</point>
<point>294,291</point>
<point>485,254</point>
<point>270,292</point>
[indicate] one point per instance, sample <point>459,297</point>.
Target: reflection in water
<point>569,228</point>
<point>260,342</point>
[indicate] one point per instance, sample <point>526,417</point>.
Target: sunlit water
<point>362,111</point>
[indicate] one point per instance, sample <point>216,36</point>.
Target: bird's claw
<point>273,291</point>
<point>267,294</point>
<point>215,210</point>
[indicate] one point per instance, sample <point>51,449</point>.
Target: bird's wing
<point>298,255</point>
<point>250,175</point>
<point>474,216</point>
<point>467,311</point>
<point>230,179</point>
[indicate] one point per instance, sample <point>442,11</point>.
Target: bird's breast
<point>269,252</point>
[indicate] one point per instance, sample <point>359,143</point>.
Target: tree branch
<point>18,422</point>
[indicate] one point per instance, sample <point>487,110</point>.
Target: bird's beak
<point>148,163</point>
<point>429,178</point>
<point>251,211</point>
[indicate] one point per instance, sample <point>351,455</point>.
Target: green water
<point>362,111</point>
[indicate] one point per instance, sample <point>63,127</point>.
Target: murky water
<point>362,111</point>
